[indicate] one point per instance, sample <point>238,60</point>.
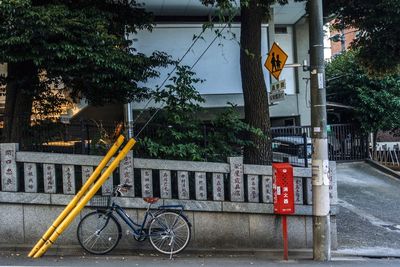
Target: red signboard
<point>283,188</point>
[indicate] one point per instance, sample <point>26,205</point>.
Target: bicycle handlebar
<point>119,189</point>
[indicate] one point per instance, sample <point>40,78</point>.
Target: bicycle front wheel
<point>169,233</point>
<point>99,232</point>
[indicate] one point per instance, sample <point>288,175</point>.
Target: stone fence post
<point>9,176</point>
<point>236,178</point>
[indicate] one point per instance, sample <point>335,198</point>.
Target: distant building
<point>341,40</point>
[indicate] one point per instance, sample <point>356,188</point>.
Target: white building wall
<point>220,65</point>
<point>302,47</point>
<point>285,41</point>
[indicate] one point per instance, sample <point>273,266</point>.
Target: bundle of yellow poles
<point>82,197</point>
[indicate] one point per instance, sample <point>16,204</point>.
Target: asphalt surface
<point>208,259</point>
<point>368,221</point>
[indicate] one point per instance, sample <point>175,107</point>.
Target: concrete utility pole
<point>320,162</point>
<point>128,119</point>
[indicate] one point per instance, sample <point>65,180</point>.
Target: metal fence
<point>346,142</point>
<point>389,157</point>
<point>79,137</point>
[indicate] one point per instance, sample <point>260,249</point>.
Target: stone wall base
<point>24,224</point>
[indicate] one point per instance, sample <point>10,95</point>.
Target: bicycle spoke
<point>95,242</point>
<point>183,225</point>
<point>166,223</point>
<point>89,238</point>
<point>161,242</point>
<point>176,234</point>
<point>172,245</point>
<point>176,220</point>
<point>98,233</point>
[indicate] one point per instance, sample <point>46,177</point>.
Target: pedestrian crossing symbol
<point>276,61</point>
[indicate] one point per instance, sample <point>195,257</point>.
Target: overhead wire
<point>194,64</point>
<point>170,74</point>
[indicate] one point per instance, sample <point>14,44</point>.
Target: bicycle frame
<point>137,229</point>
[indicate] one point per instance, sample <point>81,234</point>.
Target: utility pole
<point>342,38</point>
<point>128,119</point>
<point>320,161</point>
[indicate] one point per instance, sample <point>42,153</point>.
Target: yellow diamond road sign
<point>276,60</point>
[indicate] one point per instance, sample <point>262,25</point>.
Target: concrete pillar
<point>165,184</point>
<point>86,173</point>
<point>68,175</point>
<point>266,184</point>
<point>107,187</point>
<point>183,185</point>
<point>253,190</point>
<point>298,190</point>
<point>31,180</point>
<point>49,178</point>
<point>147,183</point>
<point>201,186</point>
<point>126,173</point>
<point>9,176</point>
<point>218,187</point>
<point>236,178</point>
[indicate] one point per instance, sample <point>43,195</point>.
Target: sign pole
<point>285,238</point>
<point>283,191</point>
<point>320,161</point>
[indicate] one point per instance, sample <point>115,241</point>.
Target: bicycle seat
<point>126,186</point>
<point>151,200</point>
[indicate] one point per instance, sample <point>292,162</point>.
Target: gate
<point>346,142</point>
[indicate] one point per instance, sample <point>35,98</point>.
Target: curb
<point>272,254</point>
<point>377,253</point>
<point>77,251</point>
<point>383,168</point>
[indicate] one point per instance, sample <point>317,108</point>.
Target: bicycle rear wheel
<point>98,232</point>
<point>169,232</point>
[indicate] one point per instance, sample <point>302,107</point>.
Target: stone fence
<point>229,204</point>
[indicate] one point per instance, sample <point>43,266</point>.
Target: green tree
<point>376,99</point>
<point>377,21</point>
<point>77,45</point>
<point>178,133</point>
<point>175,132</point>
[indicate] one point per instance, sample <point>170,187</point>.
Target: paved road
<point>217,260</point>
<point>369,213</point>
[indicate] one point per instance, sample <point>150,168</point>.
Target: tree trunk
<point>253,84</point>
<point>22,81</point>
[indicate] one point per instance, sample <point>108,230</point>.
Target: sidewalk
<point>270,254</point>
<point>209,258</point>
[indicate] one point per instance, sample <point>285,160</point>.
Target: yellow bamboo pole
<point>78,196</point>
<point>71,216</point>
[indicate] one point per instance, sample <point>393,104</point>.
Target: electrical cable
<point>170,74</point>
<point>306,95</point>
<point>205,50</point>
<point>194,64</point>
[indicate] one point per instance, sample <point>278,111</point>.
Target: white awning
<point>286,14</point>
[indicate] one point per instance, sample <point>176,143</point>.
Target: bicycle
<point>167,227</point>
